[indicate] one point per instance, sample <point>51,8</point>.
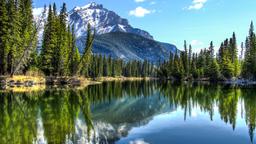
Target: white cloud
<point>196,43</point>
<point>140,12</point>
<point>139,141</point>
<point>197,4</point>
<point>37,11</point>
<point>138,1</point>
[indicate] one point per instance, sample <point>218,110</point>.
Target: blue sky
<point>173,21</point>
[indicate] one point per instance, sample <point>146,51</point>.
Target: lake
<point>144,112</point>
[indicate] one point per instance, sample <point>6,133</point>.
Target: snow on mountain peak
<point>102,20</point>
<point>91,5</point>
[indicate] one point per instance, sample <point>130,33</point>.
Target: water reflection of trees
<point>59,109</point>
<point>207,97</point>
<point>17,118</point>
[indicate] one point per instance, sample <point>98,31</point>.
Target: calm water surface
<point>130,113</point>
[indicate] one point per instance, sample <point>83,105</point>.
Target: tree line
<point>226,64</point>
<point>103,66</point>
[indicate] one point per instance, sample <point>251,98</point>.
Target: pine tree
<point>189,59</point>
<point>214,70</point>
<point>194,70</point>
<point>100,66</point>
<point>4,49</point>
<point>246,64</point>
<point>28,35</point>
<point>56,58</point>
<point>87,52</point>
<point>211,50</point>
<point>72,52</point>
<point>184,57</point>
<point>234,56</point>
<point>49,45</point>
<point>241,52</point>
<point>178,69</point>
<point>201,63</point>
<point>227,68</point>
<point>110,65</point>
<point>62,46</point>
<point>105,66</point>
<point>249,64</point>
<point>13,35</point>
<point>171,64</point>
<point>76,58</point>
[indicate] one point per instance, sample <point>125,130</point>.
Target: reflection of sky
<point>40,138</point>
<point>196,129</point>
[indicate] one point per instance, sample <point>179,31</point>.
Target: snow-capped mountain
<point>115,36</point>
<point>103,20</point>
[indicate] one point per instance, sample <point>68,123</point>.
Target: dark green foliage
<point>101,66</point>
<point>86,57</point>
<point>49,45</point>
<point>59,55</point>
<point>214,70</point>
<point>4,48</point>
<point>73,53</point>
<point>249,65</point>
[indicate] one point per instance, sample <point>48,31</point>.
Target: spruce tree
<point>189,59</point>
<point>49,45</point>
<point>234,55</point>
<point>87,52</point>
<point>184,57</point>
<point>4,48</point>
<point>28,34</point>
<point>246,64</point>
<point>14,40</point>
<point>194,69</point>
<point>211,50</point>
<point>62,46</point>
<point>56,58</point>
<point>105,66</point>
<point>214,70</point>
<point>249,65</point>
<point>110,65</point>
<point>72,64</point>
<point>178,69</point>
<point>171,64</point>
<point>100,66</point>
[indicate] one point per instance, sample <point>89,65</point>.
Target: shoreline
<point>20,83</point>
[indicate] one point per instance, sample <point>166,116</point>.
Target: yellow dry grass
<point>23,89</point>
<point>23,78</point>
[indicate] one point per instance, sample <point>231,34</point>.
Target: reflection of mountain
<point>114,119</point>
